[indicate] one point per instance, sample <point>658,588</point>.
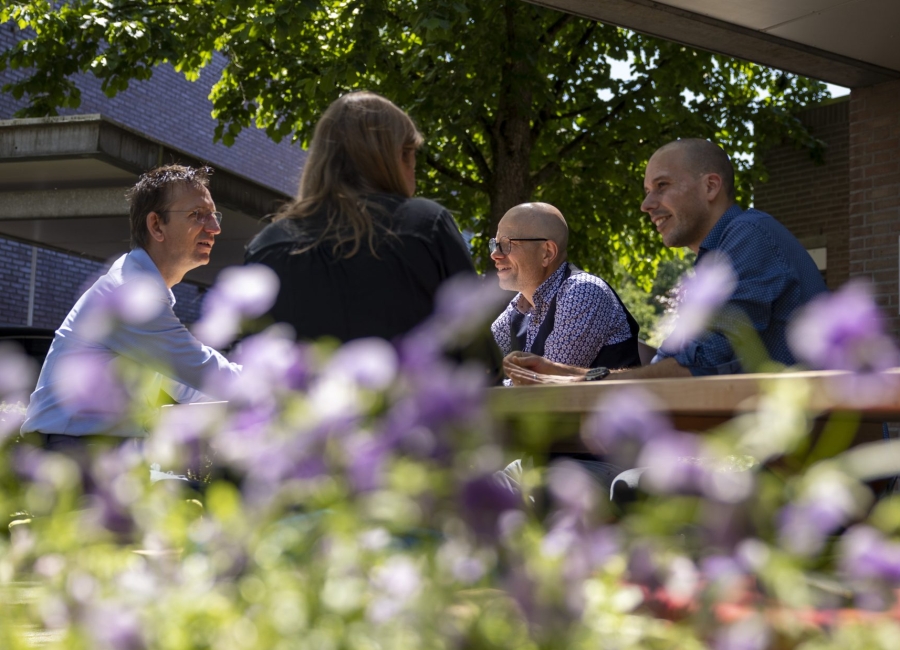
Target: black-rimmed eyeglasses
<point>201,217</point>
<point>504,244</point>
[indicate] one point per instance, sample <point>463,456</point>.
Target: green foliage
<point>648,307</point>
<point>354,504</point>
<point>516,101</point>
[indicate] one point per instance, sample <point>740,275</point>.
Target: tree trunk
<point>511,130</point>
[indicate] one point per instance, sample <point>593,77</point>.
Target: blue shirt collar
<point>711,241</point>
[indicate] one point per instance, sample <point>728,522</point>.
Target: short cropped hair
<point>153,193</point>
<point>705,157</point>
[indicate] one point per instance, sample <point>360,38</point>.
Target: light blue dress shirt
<point>163,343</point>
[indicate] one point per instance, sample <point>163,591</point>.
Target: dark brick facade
<point>176,112</point>
<point>875,192</point>
<point>851,203</point>
<point>59,280</point>
<point>810,198</point>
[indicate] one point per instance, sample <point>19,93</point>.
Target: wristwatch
<point>596,374</point>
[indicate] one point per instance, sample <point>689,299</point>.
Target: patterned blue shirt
<point>775,275</point>
<point>588,317</point>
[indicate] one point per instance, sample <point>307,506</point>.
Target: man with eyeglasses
<point>690,198</point>
<point>560,312</point>
<point>128,313</point>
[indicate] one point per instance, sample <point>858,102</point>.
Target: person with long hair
<point>356,254</point>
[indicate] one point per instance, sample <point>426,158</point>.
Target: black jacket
<point>323,294</point>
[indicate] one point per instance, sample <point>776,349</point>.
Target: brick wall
<point>15,270</point>
<point>875,191</point>
<point>60,279</point>
<point>812,199</point>
<point>176,112</point>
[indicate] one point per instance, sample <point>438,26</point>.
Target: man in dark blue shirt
<point>689,187</point>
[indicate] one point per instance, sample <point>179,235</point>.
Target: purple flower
<point>462,304</point>
<point>138,301</point>
<point>643,568</point>
<point>87,383</point>
<point>11,418</point>
<point>702,295</point>
<point>828,502</point>
<point>17,373</point>
<point>246,436</point>
<point>135,302</point>
<point>584,549</point>
<point>185,424</point>
<point>365,465</point>
<point>272,366</point>
<point>572,488</point>
<point>671,461</point>
<point>450,393</point>
<point>240,292</point>
<point>395,585</point>
<point>803,527</point>
<point>751,633</point>
<point>115,628</point>
<point>371,363</point>
<point>866,555</point>
<point>483,500</point>
<point>435,401</point>
<point>622,422</point>
<point>843,331</point>
<point>721,570</point>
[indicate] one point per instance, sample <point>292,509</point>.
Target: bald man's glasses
<point>504,244</point>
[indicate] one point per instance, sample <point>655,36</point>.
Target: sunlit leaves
<point>467,71</point>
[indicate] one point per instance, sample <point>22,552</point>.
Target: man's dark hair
<point>705,157</point>
<point>153,193</point>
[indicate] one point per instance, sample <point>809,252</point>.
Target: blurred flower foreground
<point>345,498</point>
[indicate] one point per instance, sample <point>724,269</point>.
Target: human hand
<point>524,368</point>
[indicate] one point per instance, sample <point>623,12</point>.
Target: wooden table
<point>696,403</point>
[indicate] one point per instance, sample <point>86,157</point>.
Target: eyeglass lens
<point>206,218</point>
<point>501,244</point>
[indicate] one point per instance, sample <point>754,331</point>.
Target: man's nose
<point>649,203</point>
<point>212,226</point>
<point>496,254</point>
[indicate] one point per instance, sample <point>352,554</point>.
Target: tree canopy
<point>516,102</point>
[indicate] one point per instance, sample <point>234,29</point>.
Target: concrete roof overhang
<point>851,43</point>
<point>63,183</point>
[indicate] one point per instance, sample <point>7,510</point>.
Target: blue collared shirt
<point>775,275</point>
<point>163,342</point>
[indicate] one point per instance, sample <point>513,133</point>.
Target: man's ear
<point>154,227</point>
<point>551,252</point>
<point>712,185</point>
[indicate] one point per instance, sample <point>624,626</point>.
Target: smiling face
<point>678,199</point>
<point>181,243</point>
<point>526,265</point>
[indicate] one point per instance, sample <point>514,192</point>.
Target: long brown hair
<point>356,150</point>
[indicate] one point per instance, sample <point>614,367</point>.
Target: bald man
<point>689,196</point>
<point>560,312</point>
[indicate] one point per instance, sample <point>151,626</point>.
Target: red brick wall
<point>875,192</point>
<point>812,199</point>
